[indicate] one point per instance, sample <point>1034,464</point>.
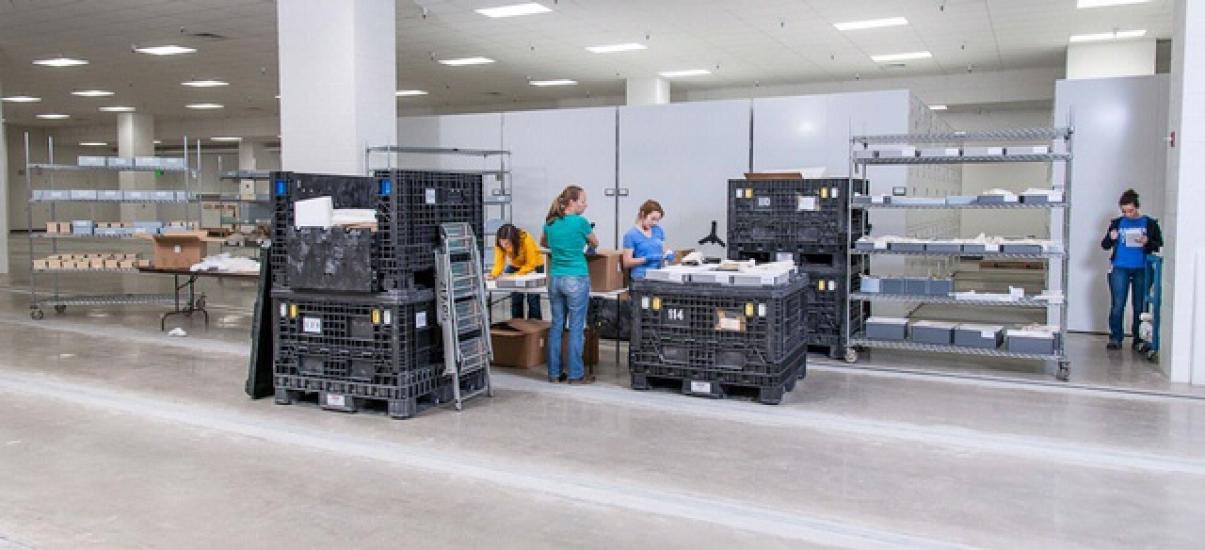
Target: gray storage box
<point>56,195</point>
<point>83,195</point>
<point>163,196</point>
<point>943,248</point>
<point>887,328</point>
<point>897,152</point>
<point>982,151</point>
<point>864,245</point>
<point>1029,341</point>
<point>916,286</point>
<point>974,248</point>
<point>760,279</point>
<point>961,200</point>
<point>1038,199</point>
<point>865,154</point>
<point>933,332</point>
<point>712,277</point>
<point>907,247</point>
<point>137,195</point>
<point>82,227</point>
<point>1021,248</point>
<point>939,287</point>
<point>175,163</point>
<point>993,199</point>
<point>978,336</point>
<point>870,285</point>
<point>1028,150</point>
<point>893,285</point>
<point>183,196</point>
<point>938,152</point>
<point>112,196</point>
<point>860,200</point>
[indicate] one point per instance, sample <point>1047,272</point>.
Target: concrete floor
<point>114,435</point>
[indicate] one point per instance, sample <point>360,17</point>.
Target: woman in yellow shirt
<point>516,252</point>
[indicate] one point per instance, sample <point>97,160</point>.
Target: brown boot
<point>587,379</point>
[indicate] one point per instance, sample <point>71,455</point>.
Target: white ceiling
<point>741,41</point>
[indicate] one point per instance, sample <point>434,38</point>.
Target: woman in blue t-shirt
<point>644,244</point>
<point>1131,237</point>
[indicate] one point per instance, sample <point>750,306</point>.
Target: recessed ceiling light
<point>871,24</point>
<point>170,49</point>
<point>887,58</point>
<point>93,144</point>
<point>687,72</point>
<point>938,107</point>
<point>22,99</point>
<point>204,106</point>
<point>60,62</point>
<point>205,83</point>
<point>458,62</point>
<point>408,93</point>
<point>53,116</point>
<point>1106,3</point>
<point>530,8</point>
<point>1104,36</point>
<point>615,48</point>
<point>116,109</point>
<point>92,93</point>
<point>556,82</point>
<point>226,138</point>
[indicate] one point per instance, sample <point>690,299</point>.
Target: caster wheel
<point>60,308</point>
<point>1152,356</point>
<point>37,314</point>
<point>1064,373</point>
<point>851,356</point>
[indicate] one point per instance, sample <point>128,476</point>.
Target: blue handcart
<point>1148,329</point>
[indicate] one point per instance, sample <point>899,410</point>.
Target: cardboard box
<point>96,263</point>
<point>52,227</point>
<point>178,250</point>
<point>589,349</point>
<point>54,263</point>
<point>112,263</point>
<point>606,272</point>
<point>519,342</point>
<point>39,265</point>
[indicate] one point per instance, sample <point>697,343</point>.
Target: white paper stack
<point>316,212</point>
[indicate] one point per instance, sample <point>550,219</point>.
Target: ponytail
<point>557,210</point>
<point>1130,196</point>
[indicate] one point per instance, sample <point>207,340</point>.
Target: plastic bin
<point>887,328</point>
<point>971,335</point>
<point>933,332</point>
<point>1030,341</point>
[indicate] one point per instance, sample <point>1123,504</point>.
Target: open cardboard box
<point>179,250</point>
<point>522,343</point>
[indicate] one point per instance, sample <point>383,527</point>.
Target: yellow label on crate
<point>820,285</point>
<point>824,192</point>
<point>376,316</point>
<point>749,309</point>
<point>292,311</point>
<point>656,304</point>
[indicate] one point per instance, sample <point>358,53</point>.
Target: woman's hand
<point>1113,234</point>
<point>489,276</point>
<point>1141,240</point>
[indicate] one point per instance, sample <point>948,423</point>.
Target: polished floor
<point>115,435</point>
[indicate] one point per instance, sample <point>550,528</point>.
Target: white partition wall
<point>683,155</point>
<point>1120,125</point>
<point>552,149</point>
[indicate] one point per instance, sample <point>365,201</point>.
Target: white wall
<point>1120,124</point>
<point>1111,59</point>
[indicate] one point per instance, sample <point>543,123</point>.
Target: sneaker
<point>588,379</point>
<point>563,377</point>
<point>1113,345</point>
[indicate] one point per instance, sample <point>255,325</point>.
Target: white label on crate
<point>730,323</point>
<point>336,400</point>
<point>835,193</point>
<point>284,311</point>
<point>388,318</point>
<point>740,193</point>
<point>700,387</point>
<point>176,249</point>
<point>420,320</point>
<point>832,285</point>
<point>803,203</point>
<point>430,196</point>
<point>763,202</point>
<point>784,257</point>
<point>675,314</point>
<point>312,325</point>
<point>761,310</point>
<point>644,302</point>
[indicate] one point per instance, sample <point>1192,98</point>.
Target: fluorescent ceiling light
<point>93,144</point>
<point>871,24</point>
<point>1106,3</point>
<point>687,72</point>
<point>22,99</point>
<point>1103,36</point>
<point>53,116</point>
<point>408,93</point>
<point>116,109</point>
<point>165,50</point>
<point>92,93</point>
<point>530,8</point>
<point>60,62</point>
<point>614,48</point>
<point>466,61</point>
<point>205,83</point>
<point>226,138</point>
<point>557,82</point>
<point>204,106</point>
<point>887,58</point>
<point>938,107</point>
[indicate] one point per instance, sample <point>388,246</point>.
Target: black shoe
<point>1137,345</point>
<point>1113,345</point>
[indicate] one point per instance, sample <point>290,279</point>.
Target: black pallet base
<point>399,409</point>
<point>832,351</point>
<point>766,395</point>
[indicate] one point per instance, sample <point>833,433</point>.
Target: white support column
<point>647,91</point>
<point>338,76</point>
<point>1111,59</point>
<point>136,138</point>
<point>1183,322</point>
<point>3,190</point>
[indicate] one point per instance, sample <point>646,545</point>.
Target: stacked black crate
<point>808,221</point>
<point>712,339</point>
<point>354,309</point>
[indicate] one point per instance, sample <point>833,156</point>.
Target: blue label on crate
<point>386,187</point>
<point>281,187</point>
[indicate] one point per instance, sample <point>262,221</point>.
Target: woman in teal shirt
<point>566,235</point>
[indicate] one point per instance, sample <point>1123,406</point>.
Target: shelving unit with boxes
<point>1042,145</point>
<point>51,195</point>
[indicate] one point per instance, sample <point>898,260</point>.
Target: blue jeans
<point>1123,280</point>
<point>568,296</point>
<point>517,298</point>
